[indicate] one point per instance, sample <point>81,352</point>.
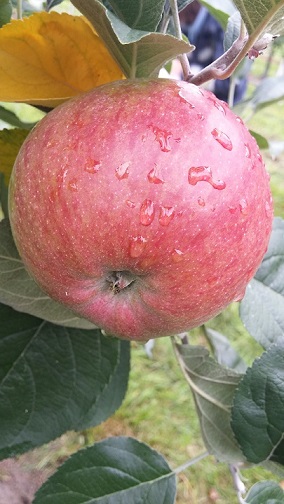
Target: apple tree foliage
<point>58,372</point>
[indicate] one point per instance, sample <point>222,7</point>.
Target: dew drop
<point>93,166</point>
<point>222,138</point>
<point>130,203</point>
<point>154,176</point>
<point>122,170</point>
<point>177,255</point>
<point>166,215</point>
<point>204,174</point>
<point>247,151</point>
<point>73,185</point>
<point>232,209</point>
<point>240,296</point>
<point>217,104</point>
<point>201,202</point>
<point>162,137</point>
<point>186,97</point>
<point>244,206</point>
<point>200,116</point>
<point>239,120</point>
<point>137,246</point>
<point>147,212</point>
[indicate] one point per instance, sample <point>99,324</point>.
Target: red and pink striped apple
<point>144,206</point>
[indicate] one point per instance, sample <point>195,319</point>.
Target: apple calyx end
<point>120,280</point>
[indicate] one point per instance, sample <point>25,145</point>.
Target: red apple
<point>144,206</point>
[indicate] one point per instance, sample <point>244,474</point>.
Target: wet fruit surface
<point>156,181</point>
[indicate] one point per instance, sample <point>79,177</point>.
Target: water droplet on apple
<point>147,212</point>
<point>122,171</point>
<point>186,97</point>
<point>154,176</point>
<point>200,116</point>
<point>204,174</point>
<point>222,138</point>
<point>162,137</point>
<point>239,120</point>
<point>137,246</point>
<point>201,202</point>
<point>92,166</point>
<point>247,151</point>
<point>217,104</point>
<point>232,209</point>
<point>73,185</point>
<point>130,203</point>
<point>177,255</point>
<point>240,296</point>
<point>244,206</point>
<point>166,215</point>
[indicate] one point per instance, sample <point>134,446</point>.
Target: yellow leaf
<point>49,57</point>
<point>10,143</point>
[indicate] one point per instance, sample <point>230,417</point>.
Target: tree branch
<point>183,57</point>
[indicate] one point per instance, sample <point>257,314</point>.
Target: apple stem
<point>187,75</point>
<point>226,64</point>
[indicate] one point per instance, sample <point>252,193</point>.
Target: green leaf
<point>233,30</point>
<point>138,53</point>
<point>262,308</point>
<point>140,15</point>
<point>5,11</point>
<point>55,373</point>
<point>257,414</point>
<point>261,141</point>
<point>113,471</point>
<point>19,290</point>
<point>3,197</point>
<point>10,143</point>
<point>265,16</point>
<point>225,354</point>
<point>265,492</point>
<point>10,118</point>
<point>183,3</point>
<point>213,387</point>
<point>270,90</point>
<point>220,10</point>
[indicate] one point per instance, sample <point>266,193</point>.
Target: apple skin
<point>144,206</point>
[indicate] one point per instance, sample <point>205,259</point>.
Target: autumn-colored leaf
<point>49,57</point>
<point>10,143</point>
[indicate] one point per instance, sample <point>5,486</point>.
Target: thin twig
<point>19,9</point>
<point>223,67</point>
<point>238,483</point>
<point>133,69</point>
<point>182,57</point>
<point>191,462</point>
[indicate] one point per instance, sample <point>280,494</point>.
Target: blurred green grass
<point>158,408</point>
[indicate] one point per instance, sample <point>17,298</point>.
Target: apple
<point>142,205</point>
